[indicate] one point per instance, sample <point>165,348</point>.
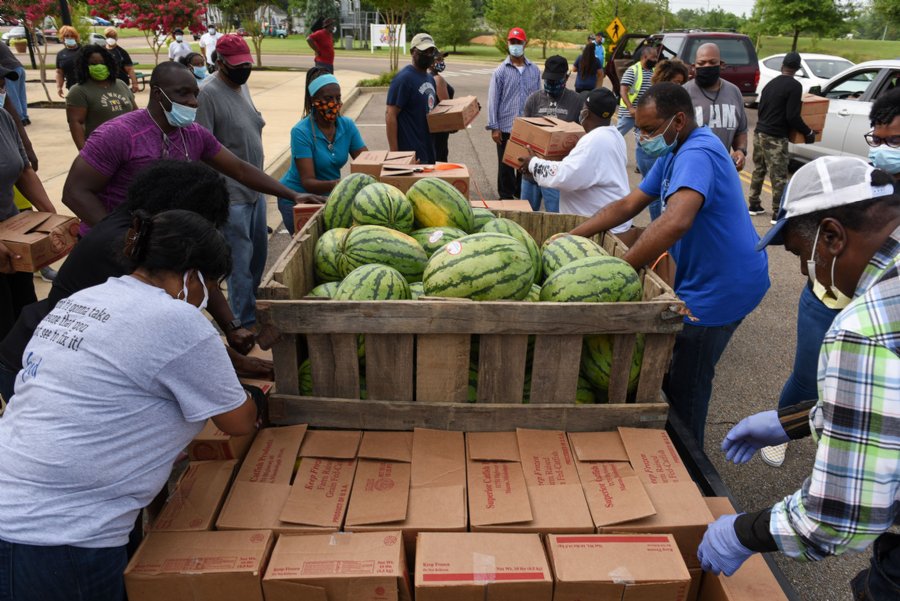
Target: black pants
<point>509,180</point>
<point>16,291</point>
<point>881,581</point>
<point>441,146</point>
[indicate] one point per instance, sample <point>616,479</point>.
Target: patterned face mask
<point>329,109</point>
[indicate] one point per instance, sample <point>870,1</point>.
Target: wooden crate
<point>418,352</point>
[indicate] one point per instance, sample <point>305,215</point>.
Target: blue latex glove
<point>721,551</point>
<point>751,434</point>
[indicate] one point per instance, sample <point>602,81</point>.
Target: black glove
<point>811,137</point>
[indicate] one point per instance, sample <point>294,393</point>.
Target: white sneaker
<point>773,456</point>
<point>773,221</point>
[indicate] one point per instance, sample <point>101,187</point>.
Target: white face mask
<point>184,289</point>
<point>111,42</point>
<point>831,297</point>
<point>179,38</point>
<point>212,31</point>
<point>516,50</point>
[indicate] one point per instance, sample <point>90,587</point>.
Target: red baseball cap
<point>233,49</point>
<point>517,33</point>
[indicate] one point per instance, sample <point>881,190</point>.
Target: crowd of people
<point>171,199</point>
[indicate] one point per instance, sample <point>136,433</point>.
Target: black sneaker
<point>756,210</point>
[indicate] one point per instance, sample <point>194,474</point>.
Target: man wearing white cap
<point>841,217</point>
<point>410,98</point>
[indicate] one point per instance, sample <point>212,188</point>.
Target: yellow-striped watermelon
<point>437,203</point>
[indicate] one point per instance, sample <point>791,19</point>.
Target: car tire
<point>281,36</point>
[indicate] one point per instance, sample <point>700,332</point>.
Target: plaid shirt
<point>853,494</point>
<point>508,92</point>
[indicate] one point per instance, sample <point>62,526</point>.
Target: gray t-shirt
<point>722,111</point>
<point>117,380</point>
<point>233,119</point>
<point>566,107</point>
<point>12,162</point>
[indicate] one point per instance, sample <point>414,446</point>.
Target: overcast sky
<point>737,7</point>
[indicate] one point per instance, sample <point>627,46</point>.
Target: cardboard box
<point>410,481</point>
<point>547,137</point>
<point>502,205</point>
<point>211,444</point>
<point>197,498</point>
<point>813,111</point>
<point>680,509</point>
<point>183,566</point>
<point>476,566</point>
<point>303,213</point>
<point>39,238</point>
<point>525,481</point>
<point>753,581</point>
<point>621,567</point>
<point>367,566</point>
<point>696,581</point>
<point>513,152</point>
<point>263,484</point>
<point>453,114</point>
<point>323,479</point>
<point>404,177</point>
<point>371,161</point>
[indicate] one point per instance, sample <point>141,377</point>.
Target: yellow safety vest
<point>21,202</point>
<point>636,88</point>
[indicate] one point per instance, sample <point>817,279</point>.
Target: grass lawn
<point>854,50</point>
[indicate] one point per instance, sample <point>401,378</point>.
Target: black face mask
<point>651,63</point>
<point>707,76</point>
<point>237,75</point>
<point>423,61</point>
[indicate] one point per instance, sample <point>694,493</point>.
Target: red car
<point>741,64</point>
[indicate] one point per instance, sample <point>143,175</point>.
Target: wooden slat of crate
<point>501,368</point>
<point>657,353</point>
<point>554,375</point>
<point>620,373</point>
<point>389,366</point>
<point>284,358</point>
<point>471,417</point>
<point>334,359</point>
<point>442,367</point>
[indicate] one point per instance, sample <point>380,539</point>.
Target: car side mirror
<point>816,90</point>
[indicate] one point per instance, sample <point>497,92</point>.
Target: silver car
<point>851,94</point>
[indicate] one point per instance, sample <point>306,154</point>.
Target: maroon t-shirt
<point>325,44</point>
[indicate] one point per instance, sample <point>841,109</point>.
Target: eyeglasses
<point>644,136</point>
<point>875,141</point>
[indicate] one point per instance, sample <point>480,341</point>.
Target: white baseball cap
<point>422,41</point>
<point>825,183</point>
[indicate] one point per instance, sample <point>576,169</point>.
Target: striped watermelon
<point>482,216</point>
<point>305,374</point>
<point>593,280</point>
<point>337,211</point>
<point>325,290</point>
<point>432,238</point>
<point>472,395</point>
<point>416,289</point>
<point>373,282</point>
<point>326,255</point>
<point>597,357</point>
<point>585,394</point>
<point>367,244</point>
<point>534,295</point>
<point>511,228</point>
<point>382,204</point>
<point>484,266</point>
<point>437,203</point>
<point>562,249</point>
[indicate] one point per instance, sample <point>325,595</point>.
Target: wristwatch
<point>234,324</point>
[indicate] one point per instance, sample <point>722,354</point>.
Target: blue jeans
<point>813,321</point>
<point>645,163</point>
<point>246,233</point>
<point>16,91</point>
<point>534,193</point>
<point>688,383</point>
<point>881,581</point>
<point>625,125</point>
<point>286,208</point>
<point>61,573</point>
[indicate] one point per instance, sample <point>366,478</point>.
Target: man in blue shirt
<point>599,50</point>
<point>410,98</point>
<point>705,226</point>
<point>511,84</point>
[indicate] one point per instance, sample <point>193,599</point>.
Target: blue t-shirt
<point>414,93</point>
<point>328,163</point>
<point>600,53</point>
<point>720,275</point>
<point>589,82</point>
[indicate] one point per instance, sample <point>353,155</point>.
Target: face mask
<point>885,158</point>
<point>516,50</point>
<point>199,72</point>
<point>71,42</point>
<point>111,42</point>
<point>238,75</point>
<point>328,109</point>
<point>181,115</point>
<point>707,76</point>
<point>651,63</point>
<point>179,38</point>
<point>184,290</point>
<point>99,72</point>
<point>554,88</point>
<point>831,297</point>
<point>423,61</point>
<point>656,146</point>
<point>439,67</point>
<point>212,31</point>
<point>2,98</point>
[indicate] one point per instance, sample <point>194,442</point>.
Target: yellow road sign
<point>615,30</point>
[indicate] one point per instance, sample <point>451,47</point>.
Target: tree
<point>888,11</point>
<point>313,9</point>
<point>32,14</point>
<point>451,22</point>
<point>551,16</point>
<point>245,13</point>
<point>636,15</point>
<point>155,18</point>
<point>503,15</point>
<point>395,13</point>
<point>820,17</point>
